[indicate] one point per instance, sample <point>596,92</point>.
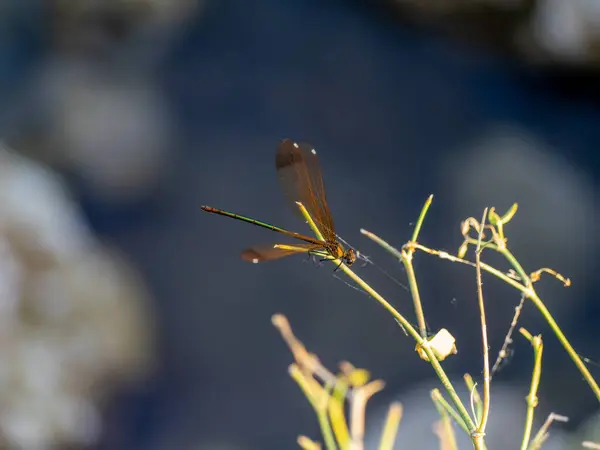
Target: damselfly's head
<point>349,257</point>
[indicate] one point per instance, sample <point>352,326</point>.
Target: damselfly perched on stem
<point>300,174</point>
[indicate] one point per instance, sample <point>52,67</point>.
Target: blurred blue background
<point>147,111</point>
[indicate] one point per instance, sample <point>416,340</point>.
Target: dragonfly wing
<point>264,253</point>
<point>300,175</point>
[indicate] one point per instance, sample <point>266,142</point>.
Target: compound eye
<point>350,257</point>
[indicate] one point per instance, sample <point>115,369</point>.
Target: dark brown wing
<point>300,175</point>
<point>262,253</point>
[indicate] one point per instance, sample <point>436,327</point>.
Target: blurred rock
<point>555,224</point>
<point>540,32</point>
<point>140,28</point>
<point>589,431</point>
<point>75,318</point>
<point>94,108</point>
<point>110,127</point>
<point>567,31</point>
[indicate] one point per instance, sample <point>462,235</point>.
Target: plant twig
<point>390,430</point>
<point>358,406</point>
<point>318,399</point>
<point>542,434</point>
<point>443,427</point>
<point>307,365</point>
<point>307,444</point>
<point>421,218</point>
<point>525,285</point>
<point>421,342</point>
<point>537,301</point>
<point>406,256</point>
<point>532,399</point>
<point>445,255</point>
<point>503,353</point>
<point>484,339</point>
<point>440,402</point>
<point>535,276</point>
<point>336,415</point>
<point>301,355</point>
<point>476,399</point>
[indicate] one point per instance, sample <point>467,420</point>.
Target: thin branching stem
<point>408,327</point>
<point>484,337</point>
<point>532,399</point>
<point>414,291</point>
<point>441,402</point>
<point>537,301</point>
<point>443,428</point>
<point>530,293</point>
<point>475,398</point>
<point>421,218</point>
<point>406,257</point>
<point>542,434</point>
<point>358,406</point>
<point>504,351</point>
<point>319,404</point>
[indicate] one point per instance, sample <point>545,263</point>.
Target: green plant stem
<point>407,325</point>
<point>565,343</point>
<point>407,262</point>
<point>414,291</point>
<point>532,401</point>
<point>406,258</point>
<point>441,404</point>
<point>542,434</point>
<point>390,430</point>
<point>449,439</point>
<point>422,342</point>
<point>475,396</point>
<point>319,405</point>
<point>497,273</point>
<point>532,295</point>
<point>421,218</point>
<point>326,430</point>
<point>336,414</point>
<point>484,338</point>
